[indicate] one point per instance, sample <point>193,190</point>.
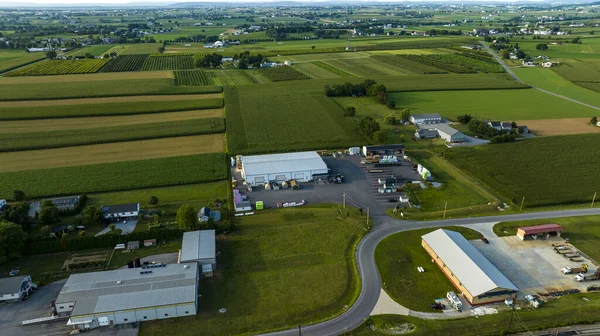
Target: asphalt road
<point>371,283</point>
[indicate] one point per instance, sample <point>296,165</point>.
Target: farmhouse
<point>429,118</point>
<point>537,231</point>
<point>129,295</point>
<point>15,288</point>
<point>199,247</point>
<point>121,210</point>
<point>495,124</point>
<point>395,150</point>
<point>469,271</point>
<point>299,166</point>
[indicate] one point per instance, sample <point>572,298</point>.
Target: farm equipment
<point>592,277</point>
<point>563,252</point>
<point>339,178</point>
<point>533,300</point>
<point>375,171</point>
<point>571,255</point>
<point>568,270</point>
<point>437,305</point>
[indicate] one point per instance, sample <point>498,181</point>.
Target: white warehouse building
<point>129,295</point>
<point>300,166</point>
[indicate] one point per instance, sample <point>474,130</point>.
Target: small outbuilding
<point>539,231</point>
<point>426,134</point>
<point>133,245</point>
<point>243,206</point>
<point>200,247</point>
<point>204,214</point>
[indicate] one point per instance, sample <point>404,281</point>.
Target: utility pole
<point>445,207</point>
<point>367,216</point>
<point>593,199</point>
<point>522,201</point>
<point>344,201</point>
<point>299,330</point>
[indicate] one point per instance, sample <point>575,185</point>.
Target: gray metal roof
<point>198,245</point>
<point>11,285</point>
<point>477,274</point>
<point>443,128</point>
<point>117,208</point>
<point>427,116</point>
<point>282,163</point>
<point>101,291</point>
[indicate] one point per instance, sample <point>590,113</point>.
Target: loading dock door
<point>280,177</point>
<point>299,176</point>
<point>259,180</point>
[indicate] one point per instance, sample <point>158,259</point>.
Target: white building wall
<point>189,308</point>
<point>64,307</point>
<point>125,317</point>
<point>299,176</point>
<point>149,314</point>
<point>166,312</point>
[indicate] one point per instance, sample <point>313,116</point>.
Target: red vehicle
<point>485,240</point>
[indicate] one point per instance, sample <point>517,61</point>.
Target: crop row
<point>407,64</point>
<point>115,176</point>
<point>192,78</point>
<point>454,63</point>
<point>125,63</point>
<point>60,67</point>
<point>169,62</point>
<point>282,73</point>
<point>65,138</point>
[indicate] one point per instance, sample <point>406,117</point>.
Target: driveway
<point>125,227</point>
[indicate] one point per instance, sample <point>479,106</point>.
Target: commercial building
<point>199,247</point>
<point>450,134</point>
<point>539,231</point>
<point>129,295</point>
<point>300,166</point>
<point>469,271</point>
<point>15,288</point>
<point>427,118</point>
<point>121,210</point>
<point>381,150</point>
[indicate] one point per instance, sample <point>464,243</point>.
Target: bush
<point>390,119</point>
<point>153,200</point>
<point>112,227</point>
<point>81,233</point>
<point>18,195</point>
<point>464,119</point>
<point>391,104</point>
<point>350,111</point>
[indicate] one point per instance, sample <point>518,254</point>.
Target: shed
<point>426,134</point>
<point>204,214</point>
<point>133,245</point>
<point>537,231</point>
<point>149,242</point>
<point>243,206</point>
<point>199,246</point>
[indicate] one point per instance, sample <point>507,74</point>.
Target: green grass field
<point>280,268</point>
<point>546,171</point>
<point>59,67</point>
<point>54,139</point>
<point>106,109</point>
<point>11,59</point>
<point>107,88</point>
<point>95,50</point>
<point>398,257</point>
<point>485,104</point>
<point>115,176</point>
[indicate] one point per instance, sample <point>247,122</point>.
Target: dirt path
<point>105,100</point>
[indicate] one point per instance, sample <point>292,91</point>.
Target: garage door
<point>280,177</point>
<point>259,180</point>
<point>299,176</point>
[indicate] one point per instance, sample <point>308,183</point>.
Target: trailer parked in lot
<point>568,270</point>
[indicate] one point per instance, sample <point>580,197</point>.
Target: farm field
<point>108,100</point>
<point>101,135</point>
<point>42,125</point>
<point>168,62</point>
<point>87,77</point>
<point>59,67</point>
<point>112,152</point>
<point>398,257</point>
<point>105,88</point>
<point>115,176</point>
<point>551,81</point>
<point>282,73</point>
<point>542,127</point>
<point>126,63</point>
<point>11,59</point>
<point>280,268</point>
<point>546,170</point>
<point>218,77</point>
<point>95,50</point>
<point>516,104</point>
<point>139,48</point>
<point>579,70</point>
<point>26,111</point>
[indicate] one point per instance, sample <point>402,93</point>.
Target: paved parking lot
<point>359,185</point>
<point>533,266</point>
<point>125,227</point>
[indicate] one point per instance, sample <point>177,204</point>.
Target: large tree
<point>369,126</point>
<point>48,214</point>
<point>92,215</point>
<point>12,239</point>
<point>405,114</point>
<point>17,213</point>
<point>187,218</point>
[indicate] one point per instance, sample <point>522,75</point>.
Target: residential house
<point>495,124</point>
<point>506,126</point>
<point>16,288</point>
<point>121,210</point>
<point>528,63</point>
<point>524,129</point>
<point>3,205</point>
<point>204,214</point>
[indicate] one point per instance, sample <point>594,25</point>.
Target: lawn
<point>121,257</point>
<point>551,81</point>
<point>124,175</point>
<point>505,105</point>
<point>583,232</point>
<point>398,257</point>
<point>281,268</point>
<point>546,171</point>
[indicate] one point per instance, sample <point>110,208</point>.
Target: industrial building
<point>200,247</point>
<point>539,231</point>
<point>15,288</point>
<point>427,118</point>
<point>450,134</point>
<point>469,271</point>
<point>383,150</point>
<point>129,295</point>
<point>300,166</point>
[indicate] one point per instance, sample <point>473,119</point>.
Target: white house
<point>15,288</point>
<point>428,118</point>
<point>495,124</point>
<point>121,210</point>
<point>204,214</point>
<point>300,166</point>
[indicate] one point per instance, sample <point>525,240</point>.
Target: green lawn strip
<point>110,88</point>
<point>107,109</point>
<point>281,268</point>
<point>126,175</point>
<point>121,257</point>
<point>547,171</point>
<point>398,257</point>
<point>583,231</point>
<point>55,139</point>
<point>20,59</point>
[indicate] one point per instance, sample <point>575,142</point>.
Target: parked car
<point>485,240</point>
<point>393,199</point>
<point>437,305</point>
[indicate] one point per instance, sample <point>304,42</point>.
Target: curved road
<point>371,283</point>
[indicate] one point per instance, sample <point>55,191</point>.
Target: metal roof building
<point>300,166</point>
<point>199,247</point>
<point>129,295</point>
<point>536,231</point>
<point>470,272</point>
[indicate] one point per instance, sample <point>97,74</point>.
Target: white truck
<point>582,277</point>
<point>568,270</point>
<point>454,301</point>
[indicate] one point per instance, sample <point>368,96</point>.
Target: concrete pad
<point>386,305</point>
